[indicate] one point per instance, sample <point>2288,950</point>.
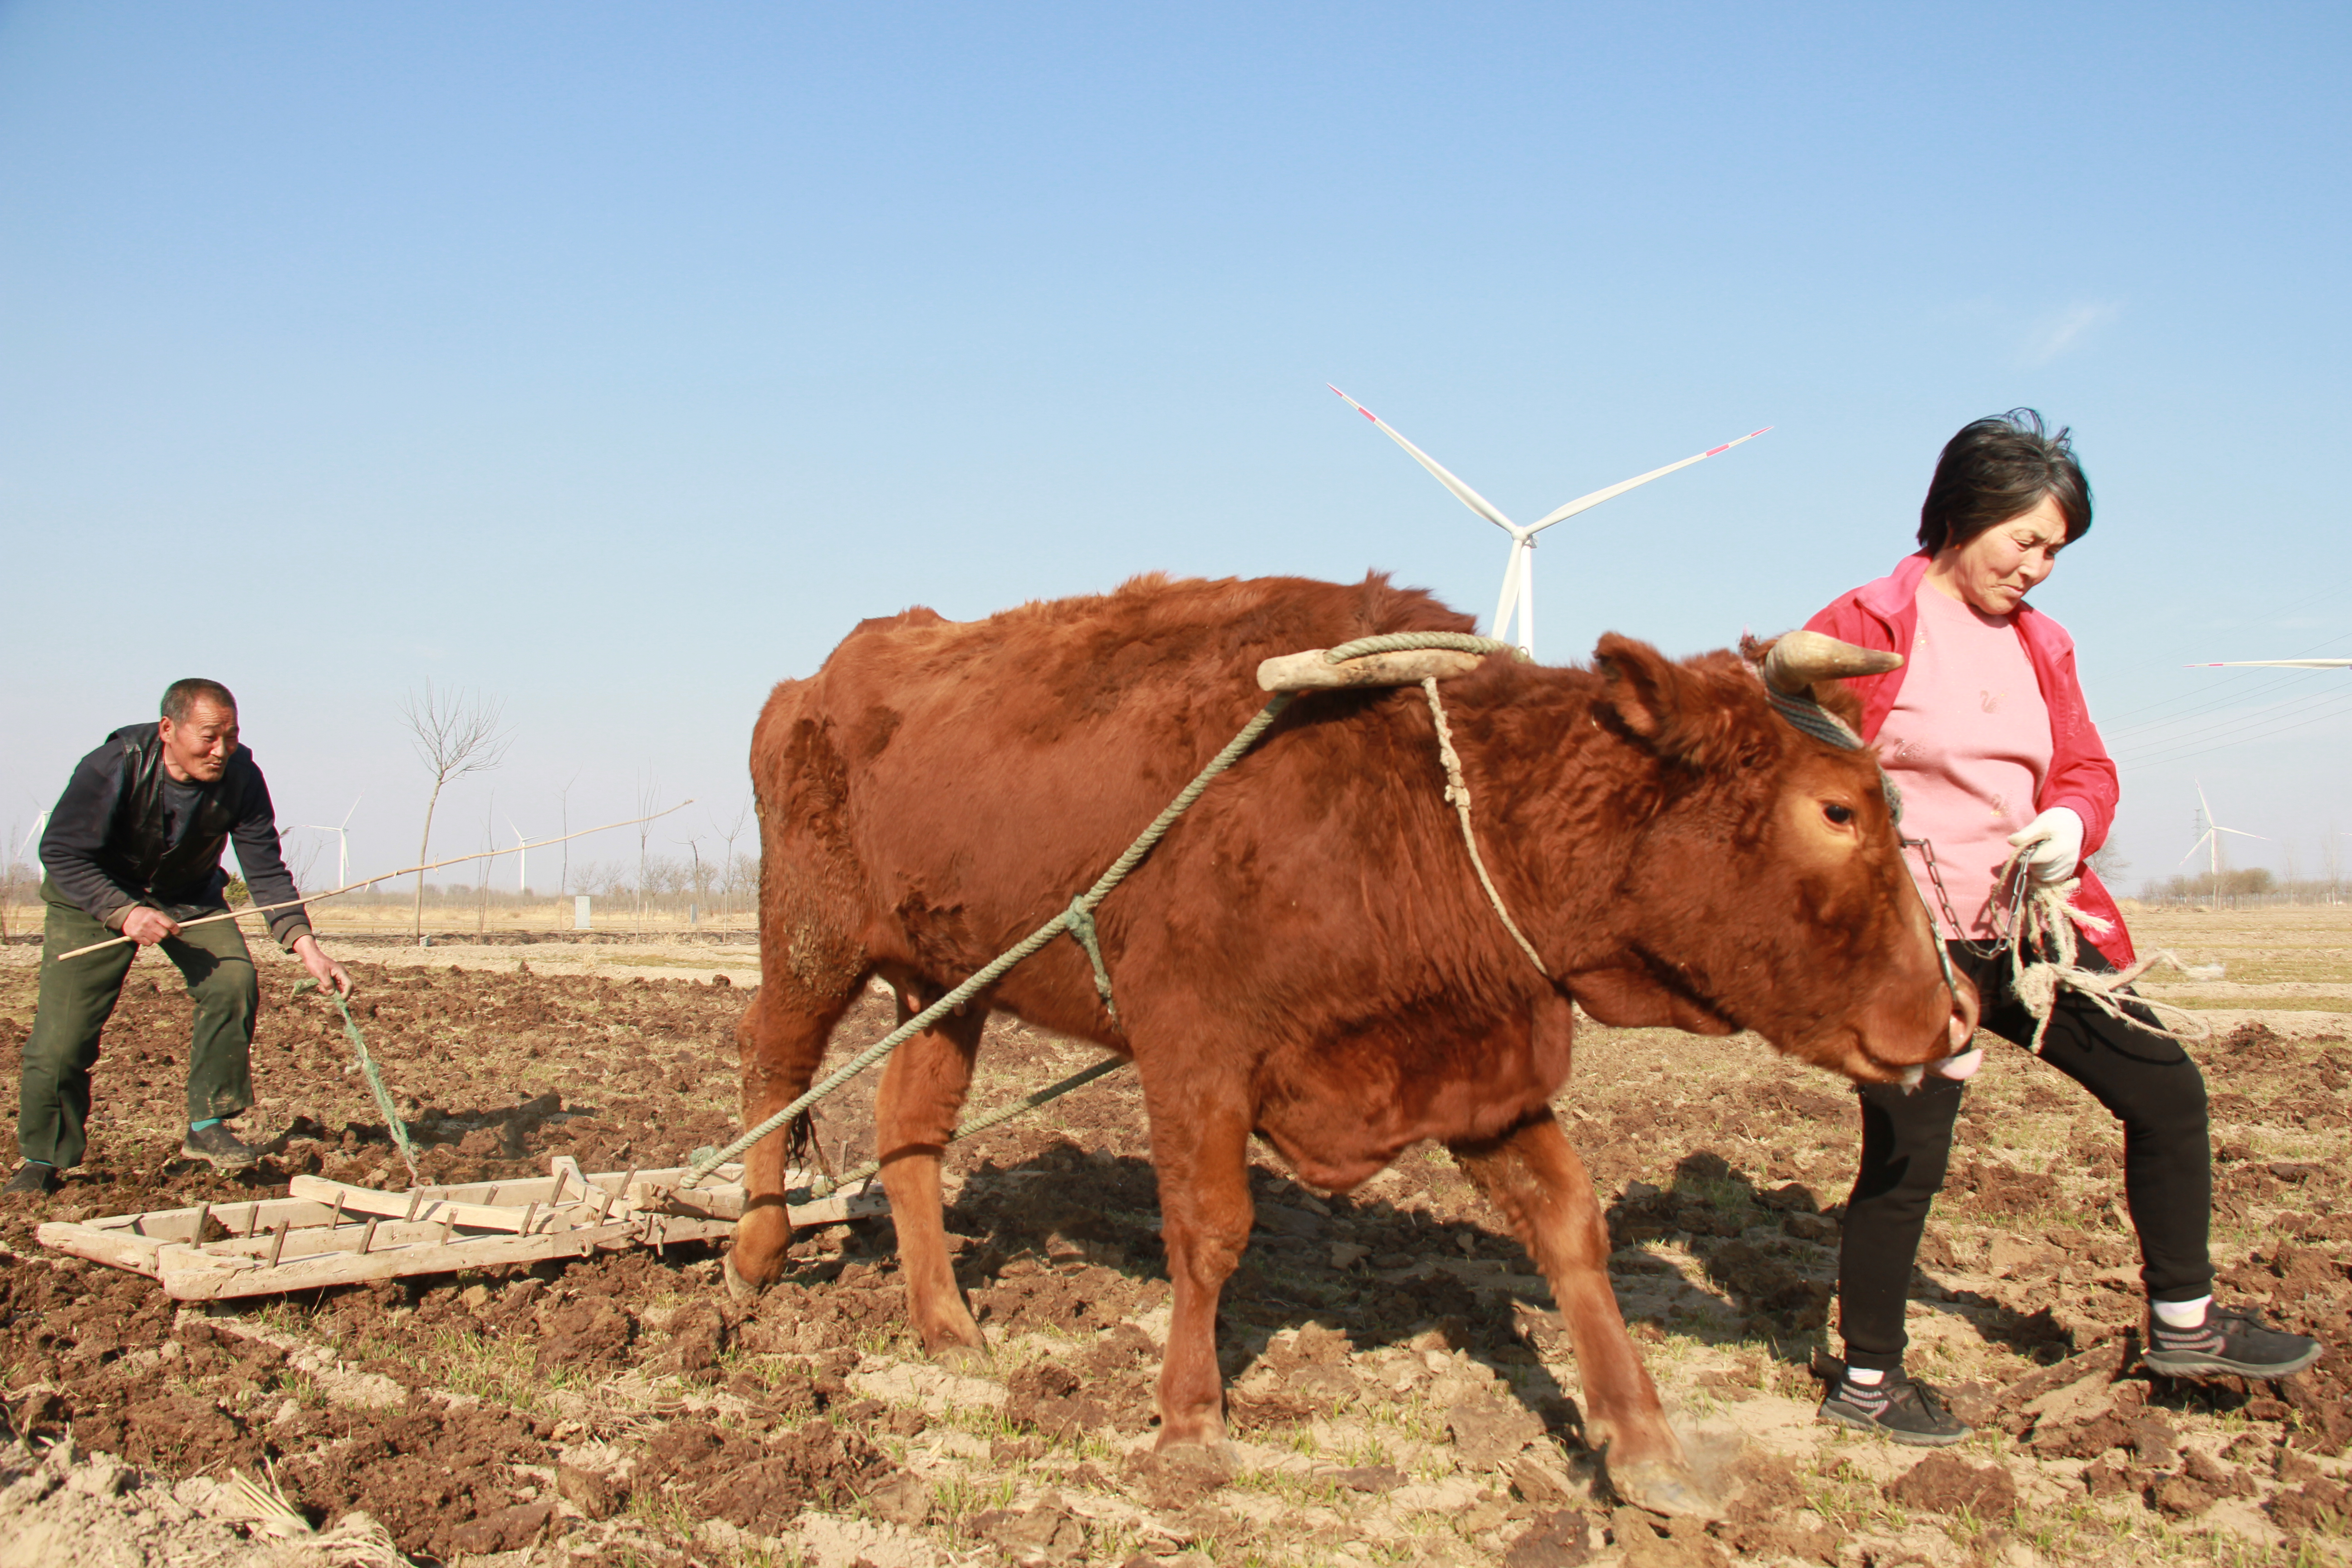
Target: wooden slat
<point>116,1249</point>
<point>192,1275</point>
<point>474,1225</point>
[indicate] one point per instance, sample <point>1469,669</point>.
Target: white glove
<point>2057,838</point>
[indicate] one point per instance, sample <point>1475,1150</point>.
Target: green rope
<point>1084,904</point>
<point>1081,928</point>
<point>823,1187</point>
<point>375,1079</point>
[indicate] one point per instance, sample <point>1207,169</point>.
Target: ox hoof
<point>967,1361</point>
<point>739,1288</point>
<point>1662,1486</point>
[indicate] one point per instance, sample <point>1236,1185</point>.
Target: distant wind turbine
<point>39,823</point>
<point>1519,595</point>
<point>2212,841</point>
<point>523,860</point>
<point>342,831</point>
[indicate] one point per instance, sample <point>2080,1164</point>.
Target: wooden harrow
<point>331,1232</point>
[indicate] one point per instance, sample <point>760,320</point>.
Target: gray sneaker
<point>1898,1408</point>
<point>220,1148</point>
<point>2231,1342</point>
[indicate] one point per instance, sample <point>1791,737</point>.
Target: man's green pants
<point>78,995</point>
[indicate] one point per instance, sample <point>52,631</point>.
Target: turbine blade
<point>1583,502</point>
<point>2241,833</point>
<point>2270,663</point>
<point>1462,492</point>
<point>2196,847</point>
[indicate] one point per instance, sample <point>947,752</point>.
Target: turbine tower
<point>2211,841</point>
<point>342,831</point>
<point>522,859</point>
<point>1518,596</point>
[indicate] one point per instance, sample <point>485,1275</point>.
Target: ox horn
<point>1799,658</point>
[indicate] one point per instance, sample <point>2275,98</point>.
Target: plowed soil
<point>1399,1392</point>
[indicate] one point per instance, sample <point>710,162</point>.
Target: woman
<point>1984,730</point>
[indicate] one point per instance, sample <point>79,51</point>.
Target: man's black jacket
<point>125,834</point>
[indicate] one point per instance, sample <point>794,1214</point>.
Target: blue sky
<point>615,360</point>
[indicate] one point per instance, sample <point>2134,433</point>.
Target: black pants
<point>2147,1081</point>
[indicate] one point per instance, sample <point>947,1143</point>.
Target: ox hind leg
<point>1533,1175</point>
<point>781,1037</point>
<point>922,1093</point>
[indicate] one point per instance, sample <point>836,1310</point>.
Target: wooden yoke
<point>1310,671</point>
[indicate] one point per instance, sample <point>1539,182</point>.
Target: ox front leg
<point>1533,1175</point>
<point>1202,1152</point>
<point>782,1037</point>
<point>922,1093</point>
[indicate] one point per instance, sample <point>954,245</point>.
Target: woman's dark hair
<point>1996,469</point>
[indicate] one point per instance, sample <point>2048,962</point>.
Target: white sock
<point>1866,1376</point>
<point>2181,1314</point>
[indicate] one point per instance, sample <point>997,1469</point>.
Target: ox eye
<point>1837,813</point>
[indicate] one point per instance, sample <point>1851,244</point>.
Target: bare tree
<point>455,733</point>
<point>647,790</point>
<point>563,804</point>
<point>700,881</point>
<point>727,835</point>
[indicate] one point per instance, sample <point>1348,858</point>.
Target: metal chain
<point>2009,926</point>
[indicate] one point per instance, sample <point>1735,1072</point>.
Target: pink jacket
<point>1885,615</point>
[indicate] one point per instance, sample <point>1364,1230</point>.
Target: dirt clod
<point>1948,1484</point>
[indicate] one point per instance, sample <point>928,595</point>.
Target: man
<point>134,849</point>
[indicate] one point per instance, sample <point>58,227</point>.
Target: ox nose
<point>1967,1008</point>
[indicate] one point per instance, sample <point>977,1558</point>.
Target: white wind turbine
<point>2211,840</point>
<point>342,831</point>
<point>1519,595</point>
<point>523,860</point>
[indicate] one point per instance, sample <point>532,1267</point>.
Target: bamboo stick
<point>383,877</point>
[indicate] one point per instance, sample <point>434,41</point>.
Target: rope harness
<point>1078,921</point>
<point>2043,918</point>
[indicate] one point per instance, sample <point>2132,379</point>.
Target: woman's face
<point>1995,571</point>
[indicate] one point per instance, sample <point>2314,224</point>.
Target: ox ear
<point>1654,699</point>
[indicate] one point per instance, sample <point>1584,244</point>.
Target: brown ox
<point>1308,956</point>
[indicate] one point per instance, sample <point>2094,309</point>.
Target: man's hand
<point>323,970</point>
<point>2056,837</point>
<point>149,926</point>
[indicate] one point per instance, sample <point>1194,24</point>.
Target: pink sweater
<point>1967,741</point>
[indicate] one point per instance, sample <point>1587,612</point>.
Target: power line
<point>2342,705</point>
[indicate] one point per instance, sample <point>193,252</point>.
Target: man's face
<point>197,748</point>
